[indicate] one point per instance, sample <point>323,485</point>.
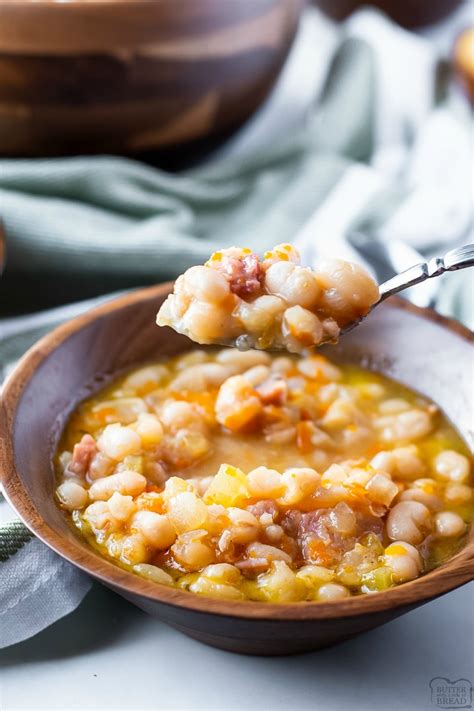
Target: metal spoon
<point>3,249</point>
<point>455,259</point>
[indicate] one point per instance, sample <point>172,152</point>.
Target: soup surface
<point>242,475</point>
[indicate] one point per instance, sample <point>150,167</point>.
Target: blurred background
<point>137,135</point>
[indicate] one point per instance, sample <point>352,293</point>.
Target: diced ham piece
<point>82,455</point>
<point>245,274</point>
<point>266,506</point>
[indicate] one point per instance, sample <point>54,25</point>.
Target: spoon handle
<point>458,258</point>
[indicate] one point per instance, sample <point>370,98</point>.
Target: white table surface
<point>110,655</point>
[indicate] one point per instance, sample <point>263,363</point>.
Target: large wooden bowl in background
<point>132,75</point>
<point>66,365</point>
<point>409,13</point>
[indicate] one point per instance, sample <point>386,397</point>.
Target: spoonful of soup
<point>275,303</point>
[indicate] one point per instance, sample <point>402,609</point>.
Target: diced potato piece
<point>228,488</point>
<point>220,580</point>
<point>280,584</point>
<point>315,575</point>
<point>379,579</point>
<point>175,485</point>
<point>187,512</point>
<point>381,489</point>
<point>299,483</point>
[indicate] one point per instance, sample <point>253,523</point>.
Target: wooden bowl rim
<point>457,571</point>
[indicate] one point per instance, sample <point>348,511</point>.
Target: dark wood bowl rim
<point>457,571</point>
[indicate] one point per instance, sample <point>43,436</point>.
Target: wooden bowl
<point>132,75</point>
<point>409,13</point>
<point>415,346</point>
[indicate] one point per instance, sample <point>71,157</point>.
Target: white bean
<point>152,572</point>
<point>282,365</point>
<point>155,528</point>
<point>149,429</point>
<point>187,512</point>
<point>133,549</point>
<point>191,551</point>
<point>208,323</point>
<point>426,491</point>
<point>268,553</point>
<point>277,275</point>
<point>206,284</point>
<point>260,315</point>
<point>332,591</point>
<point>242,360</point>
<point>178,414</point>
<point>452,466</point>
<point>100,518</point>
<point>121,507</point>
<point>394,406</point>
<point>458,494</point>
<point>144,377</point>
<point>299,482</point>
<point>406,426</point>
<point>202,376</point>
<point>408,521</point>
<point>404,561</point>
<point>223,573</point>
<point>237,404</point>
<point>265,483</point>
<point>349,291</point>
<point>303,325</point>
<point>449,524</point>
<point>244,526</point>
<point>257,374</point>
<point>72,495</point>
<point>118,442</point>
<point>274,533</point>
<point>402,462</point>
<point>297,285</point>
<point>127,482</point>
